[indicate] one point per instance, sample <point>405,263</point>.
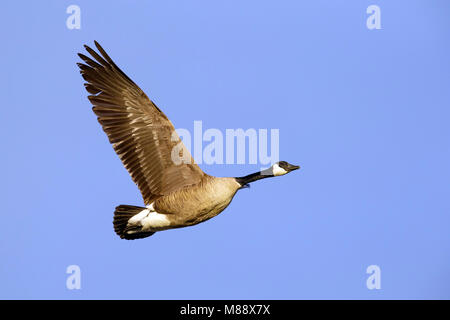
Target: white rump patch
<point>134,220</point>
<point>149,219</point>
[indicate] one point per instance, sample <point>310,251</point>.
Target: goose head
<point>282,167</point>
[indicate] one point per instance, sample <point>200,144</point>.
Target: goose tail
<point>123,229</point>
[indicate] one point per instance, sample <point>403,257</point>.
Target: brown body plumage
<point>198,203</point>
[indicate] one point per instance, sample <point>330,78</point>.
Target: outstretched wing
<point>141,134</point>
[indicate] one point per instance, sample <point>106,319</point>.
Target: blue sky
<point>364,112</point>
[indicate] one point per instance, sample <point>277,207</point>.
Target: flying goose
<point>175,194</point>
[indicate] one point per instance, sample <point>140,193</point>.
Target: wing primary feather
<point>139,131</point>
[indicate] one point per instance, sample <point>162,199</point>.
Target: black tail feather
<point>122,214</point>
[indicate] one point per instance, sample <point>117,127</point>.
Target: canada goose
<point>175,195</point>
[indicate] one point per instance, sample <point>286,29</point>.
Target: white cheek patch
<point>277,170</point>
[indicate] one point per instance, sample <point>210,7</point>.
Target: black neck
<point>243,181</point>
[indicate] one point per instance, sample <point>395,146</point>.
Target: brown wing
<point>140,133</point>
